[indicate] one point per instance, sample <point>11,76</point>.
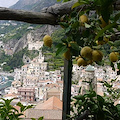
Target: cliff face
<point>22,4</point>
<point>35,5</point>
<point>33,36</point>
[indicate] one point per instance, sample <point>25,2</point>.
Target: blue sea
<point>7,82</point>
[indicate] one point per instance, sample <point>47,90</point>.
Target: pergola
<point>50,16</point>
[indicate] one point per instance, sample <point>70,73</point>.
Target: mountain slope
<point>34,5</point>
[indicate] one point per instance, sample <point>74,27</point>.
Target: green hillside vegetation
<point>15,32</point>
<point>16,61</point>
<point>4,57</point>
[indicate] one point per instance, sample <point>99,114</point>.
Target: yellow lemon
<point>86,52</point>
<point>89,62</point>
<point>47,41</point>
<point>77,58</point>
<point>101,42</point>
<point>83,19</point>
<point>81,62</point>
<point>103,23</point>
<point>67,54</point>
<point>113,57</point>
<point>97,55</point>
<point>106,39</point>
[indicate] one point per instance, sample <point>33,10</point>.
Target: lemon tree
<point>90,31</point>
<point>94,29</point>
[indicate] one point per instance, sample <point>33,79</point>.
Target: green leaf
<point>58,0</point>
<point>75,46</point>
<point>104,29</point>
<point>100,99</point>
<point>60,45</point>
<point>118,107</point>
<point>112,65</point>
<point>87,25</point>
<point>79,97</point>
<point>61,50</point>
<point>68,29</point>
<point>110,43</point>
<point>96,47</point>
<point>117,16</point>
<point>77,4</point>
<point>117,43</point>
<point>107,84</point>
<point>118,66</point>
<point>41,118</point>
<point>33,119</point>
<point>64,24</point>
<point>28,107</point>
<point>106,110</point>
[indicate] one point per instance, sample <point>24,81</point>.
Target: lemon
<point>69,45</point>
<point>113,57</point>
<point>83,19</point>
<point>67,54</point>
<point>106,40</point>
<point>86,52</point>
<point>97,55</point>
<point>47,41</point>
<point>89,62</point>
<point>101,42</point>
<point>117,53</point>
<point>103,23</point>
<point>81,62</point>
<point>77,58</point>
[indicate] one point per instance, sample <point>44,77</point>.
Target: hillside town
<point>34,84</point>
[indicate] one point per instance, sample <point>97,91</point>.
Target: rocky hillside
<point>34,35</point>
<point>14,34</point>
<point>34,5</point>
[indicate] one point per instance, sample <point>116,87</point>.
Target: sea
<point>5,81</point>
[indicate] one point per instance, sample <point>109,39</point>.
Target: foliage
<point>100,21</point>
<point>8,112</point>
<point>4,57</point>
<point>111,94</point>
<point>41,118</point>
<point>16,60</point>
<point>91,106</point>
<point>78,34</point>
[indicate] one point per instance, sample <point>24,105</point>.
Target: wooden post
<point>67,88</point>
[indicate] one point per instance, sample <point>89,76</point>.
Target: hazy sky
<point>7,3</point>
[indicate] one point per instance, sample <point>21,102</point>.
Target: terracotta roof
<point>52,103</point>
<point>11,95</point>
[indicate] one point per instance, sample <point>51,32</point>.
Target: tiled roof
<point>52,103</point>
<point>11,95</point>
<point>48,114</point>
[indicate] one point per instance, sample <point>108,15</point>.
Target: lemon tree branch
<point>47,15</point>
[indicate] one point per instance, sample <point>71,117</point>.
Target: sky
<point>7,3</point>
